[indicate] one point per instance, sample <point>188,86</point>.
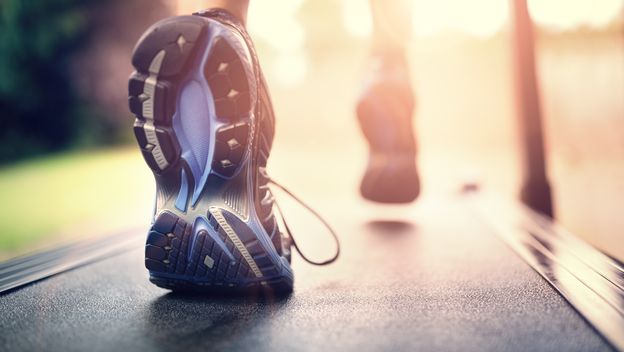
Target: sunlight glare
<point>283,32</point>
<point>481,18</point>
<point>291,68</point>
<point>356,16</point>
<point>569,14</point>
<point>279,28</point>
<point>185,7</point>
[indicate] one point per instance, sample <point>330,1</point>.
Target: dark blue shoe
<point>205,125</point>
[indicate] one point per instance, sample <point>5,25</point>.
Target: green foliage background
<point>40,110</point>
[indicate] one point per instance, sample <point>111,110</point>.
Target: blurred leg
<point>391,26</point>
<point>386,106</point>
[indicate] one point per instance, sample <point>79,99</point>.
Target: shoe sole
<point>193,94</point>
<point>392,178</point>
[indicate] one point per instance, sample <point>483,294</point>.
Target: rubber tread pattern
<point>171,266</point>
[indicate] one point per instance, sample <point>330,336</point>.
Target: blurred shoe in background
<point>384,111</point>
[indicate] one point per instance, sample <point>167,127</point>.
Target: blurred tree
<point>100,70</point>
<point>39,108</point>
<point>63,70</point>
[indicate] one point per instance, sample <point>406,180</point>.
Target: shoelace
<point>225,16</point>
<point>317,215</point>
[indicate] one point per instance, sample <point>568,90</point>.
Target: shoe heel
<point>223,254</point>
<point>164,241</point>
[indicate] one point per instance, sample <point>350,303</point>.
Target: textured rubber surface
<point>170,45</point>
<point>181,260</point>
<point>194,93</point>
<point>438,280</point>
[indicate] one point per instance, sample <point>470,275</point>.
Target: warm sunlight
<point>479,18</point>
<point>567,14</point>
<point>311,175</point>
<point>285,34</point>
<point>357,18</point>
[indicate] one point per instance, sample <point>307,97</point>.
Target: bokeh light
<point>357,18</point>
<point>570,14</point>
<point>480,18</point>
<point>285,34</point>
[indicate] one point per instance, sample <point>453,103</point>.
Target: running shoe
<point>205,125</point>
<point>384,112</point>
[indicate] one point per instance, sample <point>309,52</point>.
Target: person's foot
<point>385,111</point>
<point>204,123</point>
